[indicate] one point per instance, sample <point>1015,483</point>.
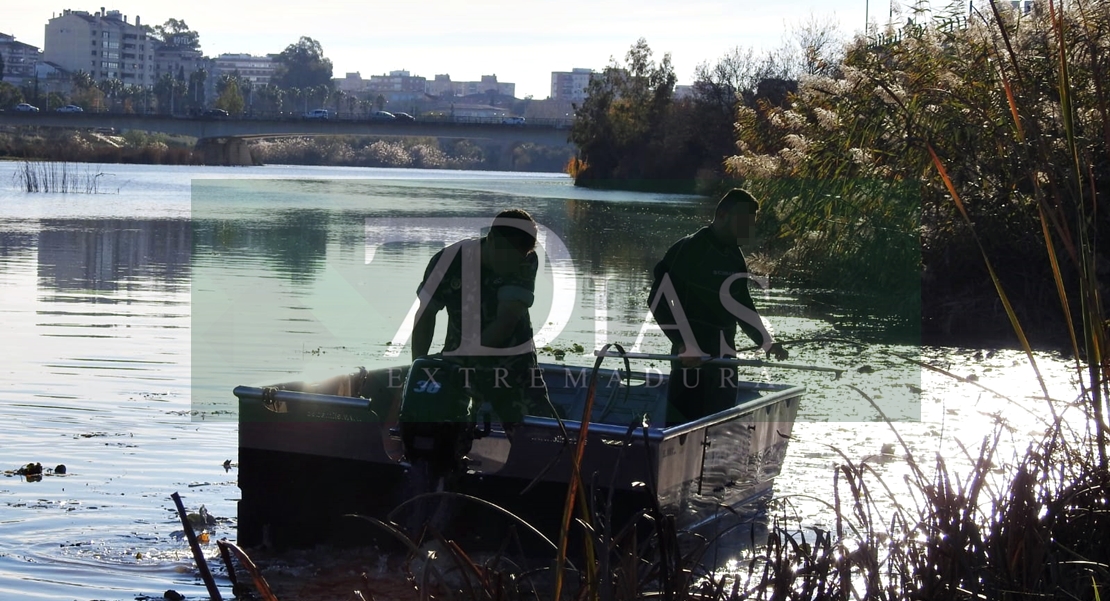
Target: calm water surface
<point>128,317</point>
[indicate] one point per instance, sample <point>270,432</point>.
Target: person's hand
<point>778,351</point>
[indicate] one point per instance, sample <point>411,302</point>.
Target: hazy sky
<point>521,42</point>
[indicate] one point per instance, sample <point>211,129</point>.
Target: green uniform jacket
<point>698,266</point>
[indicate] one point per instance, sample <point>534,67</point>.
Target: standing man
<point>487,285</point>
<point>698,297</point>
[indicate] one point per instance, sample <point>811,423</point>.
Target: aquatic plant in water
<point>51,176</point>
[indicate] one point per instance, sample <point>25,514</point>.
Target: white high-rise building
<point>20,60</point>
<point>103,44</point>
<point>256,69</point>
<point>570,85</point>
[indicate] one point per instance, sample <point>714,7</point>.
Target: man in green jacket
<point>487,285</point>
<point>699,296</point>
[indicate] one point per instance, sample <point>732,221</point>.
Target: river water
<point>128,316</point>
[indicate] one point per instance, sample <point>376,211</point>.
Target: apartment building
<point>398,86</point>
<point>351,83</point>
<point>443,86</point>
<point>104,44</point>
<point>258,70</point>
<point>570,86</point>
<point>179,61</point>
<point>20,60</point>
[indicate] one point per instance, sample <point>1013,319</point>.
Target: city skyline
<point>520,45</point>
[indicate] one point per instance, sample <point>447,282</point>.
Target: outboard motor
<point>437,420</point>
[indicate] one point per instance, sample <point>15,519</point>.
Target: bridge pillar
<point>502,156</point>
<point>225,151</point>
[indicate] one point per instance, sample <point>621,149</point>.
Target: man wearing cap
<point>698,297</point>
<point>487,285</point>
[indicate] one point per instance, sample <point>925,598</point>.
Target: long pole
<point>726,361</point>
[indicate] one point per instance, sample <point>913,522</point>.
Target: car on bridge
<point>69,108</point>
<point>320,114</point>
<point>215,114</point>
<point>382,116</point>
<point>404,117</point>
<point>513,121</point>
<point>23,107</point>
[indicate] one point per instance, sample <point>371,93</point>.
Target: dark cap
<point>737,197</point>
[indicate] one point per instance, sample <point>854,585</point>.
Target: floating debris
<point>31,469</point>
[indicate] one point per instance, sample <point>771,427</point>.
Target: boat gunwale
<point>271,395</point>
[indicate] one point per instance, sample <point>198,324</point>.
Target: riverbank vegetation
<point>134,146</point>
<point>859,153</point>
<point>87,146</point>
<point>427,153</point>
<point>997,122</point>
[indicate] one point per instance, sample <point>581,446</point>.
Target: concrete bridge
<point>222,141</point>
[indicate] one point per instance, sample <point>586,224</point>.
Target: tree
<point>82,80</point>
<point>819,47</point>
<point>111,89</point>
<point>319,94</point>
<point>85,92</point>
<point>195,93</point>
<point>621,125</point>
<point>54,100</point>
<point>9,94</point>
<point>168,90</point>
<point>133,96</point>
<point>268,99</point>
<point>175,32</point>
<point>302,65</point>
<point>230,99</point>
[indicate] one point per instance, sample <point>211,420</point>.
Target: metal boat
<point>311,454</point>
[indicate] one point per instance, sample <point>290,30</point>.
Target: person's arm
<point>509,313</point>
<point>422,331</point>
<point>742,294</point>
<point>660,307</point>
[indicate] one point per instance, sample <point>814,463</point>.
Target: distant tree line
<point>632,132</point>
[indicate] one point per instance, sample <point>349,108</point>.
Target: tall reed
<point>50,176</point>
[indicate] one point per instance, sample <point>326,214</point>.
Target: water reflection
<point>106,255</point>
<point>15,242</point>
<point>625,239</point>
<point>291,242</point>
